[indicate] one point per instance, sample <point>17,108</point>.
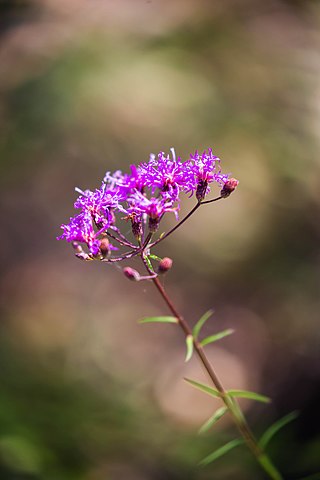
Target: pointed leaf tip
<point>275,427</point>
<point>201,322</point>
<point>217,336</point>
<point>212,420</point>
<point>221,451</point>
<point>249,395</point>
<point>204,388</point>
<point>189,343</point>
<point>158,320</point>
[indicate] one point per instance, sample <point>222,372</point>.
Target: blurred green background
<point>93,85</point>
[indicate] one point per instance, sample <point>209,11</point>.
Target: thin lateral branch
<point>177,226</point>
<point>125,256</point>
<point>147,240</point>
<point>183,220</point>
<point>211,201</point>
<point>117,230</point>
<point>121,241</point>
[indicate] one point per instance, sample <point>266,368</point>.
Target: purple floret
<point>80,229</point>
<point>205,169</point>
<point>169,176</point>
<point>144,195</point>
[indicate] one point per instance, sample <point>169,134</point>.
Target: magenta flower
<point>144,195</point>
<point>153,207</point>
<point>206,169</point>
<point>80,229</point>
<point>170,177</point>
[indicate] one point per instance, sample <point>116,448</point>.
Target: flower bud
<point>165,265</point>
<point>229,187</point>
<point>104,246</point>
<point>131,274</point>
<point>153,224</point>
<point>201,190</point>
<point>137,229</point>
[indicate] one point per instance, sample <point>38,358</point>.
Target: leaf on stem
<point>213,419</point>
<point>189,343</point>
<point>204,388</point>
<point>159,320</point>
<point>200,323</point>
<point>250,395</point>
<point>217,336</point>
<point>147,259</point>
<point>221,451</point>
<point>275,427</point>
<point>155,257</point>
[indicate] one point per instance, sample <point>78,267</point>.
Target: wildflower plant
<point>142,198</point>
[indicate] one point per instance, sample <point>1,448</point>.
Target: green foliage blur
<point>88,86</point>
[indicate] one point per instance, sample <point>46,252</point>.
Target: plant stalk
<point>232,405</point>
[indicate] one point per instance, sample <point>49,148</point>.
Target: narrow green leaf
<point>189,343</point>
<point>315,476</point>
<point>204,388</point>
<point>275,427</point>
<point>147,259</point>
<point>155,257</point>
<point>213,419</point>
<point>159,320</point>
<point>221,451</point>
<point>200,323</point>
<point>217,336</point>
<point>250,395</point>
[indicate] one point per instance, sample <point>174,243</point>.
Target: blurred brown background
<point>93,85</point>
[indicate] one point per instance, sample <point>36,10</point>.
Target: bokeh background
<point>93,85</point>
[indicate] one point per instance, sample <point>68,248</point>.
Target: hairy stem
<point>232,405</point>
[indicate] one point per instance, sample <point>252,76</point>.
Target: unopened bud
<point>165,265</point>
<point>201,190</point>
<point>131,274</point>
<point>104,246</point>
<point>137,229</point>
<point>153,224</point>
<point>229,187</point>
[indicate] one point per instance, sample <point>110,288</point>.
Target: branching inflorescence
<point>121,220</point>
<point>142,198</point>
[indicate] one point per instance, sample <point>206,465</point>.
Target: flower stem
<point>177,226</point>
<point>183,220</point>
<point>232,405</point>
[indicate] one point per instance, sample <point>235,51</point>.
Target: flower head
<point>80,229</point>
<point>145,195</point>
<point>170,177</point>
<point>205,169</point>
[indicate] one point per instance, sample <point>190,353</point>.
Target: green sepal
<point>250,395</point>
<point>159,320</point>
<point>221,451</point>
<point>200,323</point>
<point>275,427</point>
<point>204,388</point>
<point>213,419</point>
<point>189,343</point>
<point>217,336</point>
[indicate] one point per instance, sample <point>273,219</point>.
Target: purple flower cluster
<point>144,196</point>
